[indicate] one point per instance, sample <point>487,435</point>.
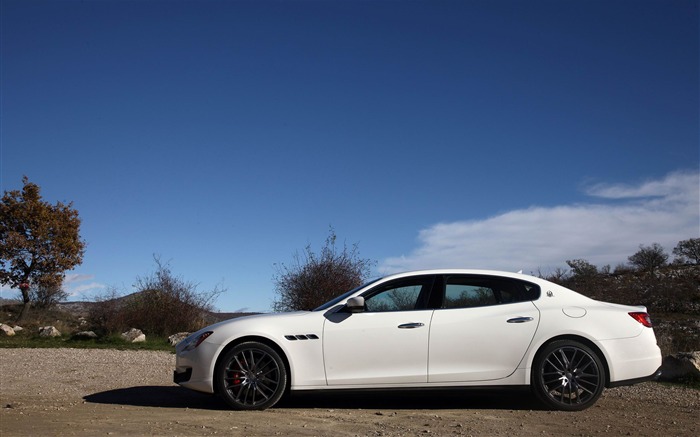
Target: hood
<point>256,317</point>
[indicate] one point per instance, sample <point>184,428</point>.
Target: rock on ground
<point>177,338</point>
<point>6,330</point>
<point>49,331</point>
<point>134,335</point>
<point>681,366</point>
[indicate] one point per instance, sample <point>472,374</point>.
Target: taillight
<point>642,318</point>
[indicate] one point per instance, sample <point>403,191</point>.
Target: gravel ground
<point>110,392</point>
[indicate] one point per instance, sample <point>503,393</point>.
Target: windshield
<point>344,296</point>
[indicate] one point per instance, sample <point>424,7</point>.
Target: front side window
<point>402,295</point>
<point>344,296</point>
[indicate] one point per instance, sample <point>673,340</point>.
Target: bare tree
<point>582,269</point>
<point>558,275</point>
<point>46,296</point>
<point>649,258</point>
<point>688,251</point>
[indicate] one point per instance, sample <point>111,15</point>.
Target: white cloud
<point>72,278</point>
<point>82,289</point>
<point>72,284</point>
<point>674,183</point>
<point>663,211</point>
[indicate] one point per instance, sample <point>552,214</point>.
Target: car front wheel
<point>568,375</point>
<point>251,376</point>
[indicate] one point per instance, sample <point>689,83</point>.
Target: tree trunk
<point>24,312</point>
<point>26,306</point>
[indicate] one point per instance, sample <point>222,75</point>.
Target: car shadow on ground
<point>157,396</point>
<point>178,397</point>
<point>433,399</point>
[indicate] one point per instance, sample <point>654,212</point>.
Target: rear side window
<point>463,291</point>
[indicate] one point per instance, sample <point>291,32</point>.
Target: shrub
<point>164,304</point>
<point>313,279</point>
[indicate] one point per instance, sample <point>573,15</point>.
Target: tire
<point>251,376</point>
<point>568,375</point>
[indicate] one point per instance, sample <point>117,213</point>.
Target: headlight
<point>191,342</point>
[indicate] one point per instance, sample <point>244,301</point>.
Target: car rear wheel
<point>251,376</point>
<point>568,375</point>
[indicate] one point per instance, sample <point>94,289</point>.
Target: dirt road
<point>107,392</point>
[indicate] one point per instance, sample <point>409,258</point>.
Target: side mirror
<point>355,304</point>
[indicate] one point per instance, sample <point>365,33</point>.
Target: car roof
<point>564,293</point>
<point>454,271</point>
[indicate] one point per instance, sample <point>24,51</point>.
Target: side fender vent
<point>301,337</point>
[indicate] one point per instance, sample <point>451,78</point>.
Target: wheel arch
<point>264,340</point>
<point>579,339</point>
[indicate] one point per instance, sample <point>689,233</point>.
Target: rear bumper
<point>631,360</point>
<point>653,377</point>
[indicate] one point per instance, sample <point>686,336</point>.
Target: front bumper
<point>182,377</point>
<point>195,369</point>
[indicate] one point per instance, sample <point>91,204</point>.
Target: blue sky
<point>225,136</point>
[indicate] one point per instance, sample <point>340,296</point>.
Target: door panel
<point>377,348</point>
<point>480,343</point>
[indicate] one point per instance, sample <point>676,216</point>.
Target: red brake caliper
<point>236,378</point>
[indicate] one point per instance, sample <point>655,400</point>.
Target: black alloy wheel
<point>568,375</point>
<point>251,376</point>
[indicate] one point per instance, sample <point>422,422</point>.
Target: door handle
<point>520,320</point>
<point>411,325</point>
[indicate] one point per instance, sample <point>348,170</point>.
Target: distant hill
<point>82,309</point>
<point>70,314</point>
<point>4,301</point>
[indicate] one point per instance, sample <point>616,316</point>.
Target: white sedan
<point>429,329</point>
